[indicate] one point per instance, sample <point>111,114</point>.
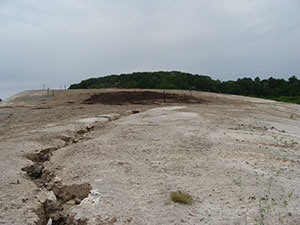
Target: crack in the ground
<point>55,211</point>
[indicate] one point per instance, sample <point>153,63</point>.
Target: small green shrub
<point>180,197</point>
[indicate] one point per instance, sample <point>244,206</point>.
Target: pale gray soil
<point>237,157</point>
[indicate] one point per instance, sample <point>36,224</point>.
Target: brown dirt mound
<point>140,97</point>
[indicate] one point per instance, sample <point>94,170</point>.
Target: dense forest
<point>277,89</point>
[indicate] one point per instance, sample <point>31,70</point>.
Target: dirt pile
<point>141,97</point>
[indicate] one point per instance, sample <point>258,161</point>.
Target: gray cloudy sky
<point>57,42</point>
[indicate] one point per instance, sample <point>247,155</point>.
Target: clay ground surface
<point>104,163</point>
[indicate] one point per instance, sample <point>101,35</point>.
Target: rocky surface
<point>67,162</point>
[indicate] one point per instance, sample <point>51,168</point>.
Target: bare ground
<point>68,162</point>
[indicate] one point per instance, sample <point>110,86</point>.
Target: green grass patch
<point>181,197</point>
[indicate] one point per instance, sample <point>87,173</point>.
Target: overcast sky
<point>57,42</point>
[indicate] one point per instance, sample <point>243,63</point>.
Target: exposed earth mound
<point>141,97</point>
<point>118,156</point>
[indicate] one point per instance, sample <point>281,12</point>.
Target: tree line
<point>278,89</point>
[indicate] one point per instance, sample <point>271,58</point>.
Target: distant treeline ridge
<point>267,88</point>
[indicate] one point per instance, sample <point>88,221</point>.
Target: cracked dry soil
<point>67,162</point>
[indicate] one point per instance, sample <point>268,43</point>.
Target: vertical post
<point>164,96</point>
